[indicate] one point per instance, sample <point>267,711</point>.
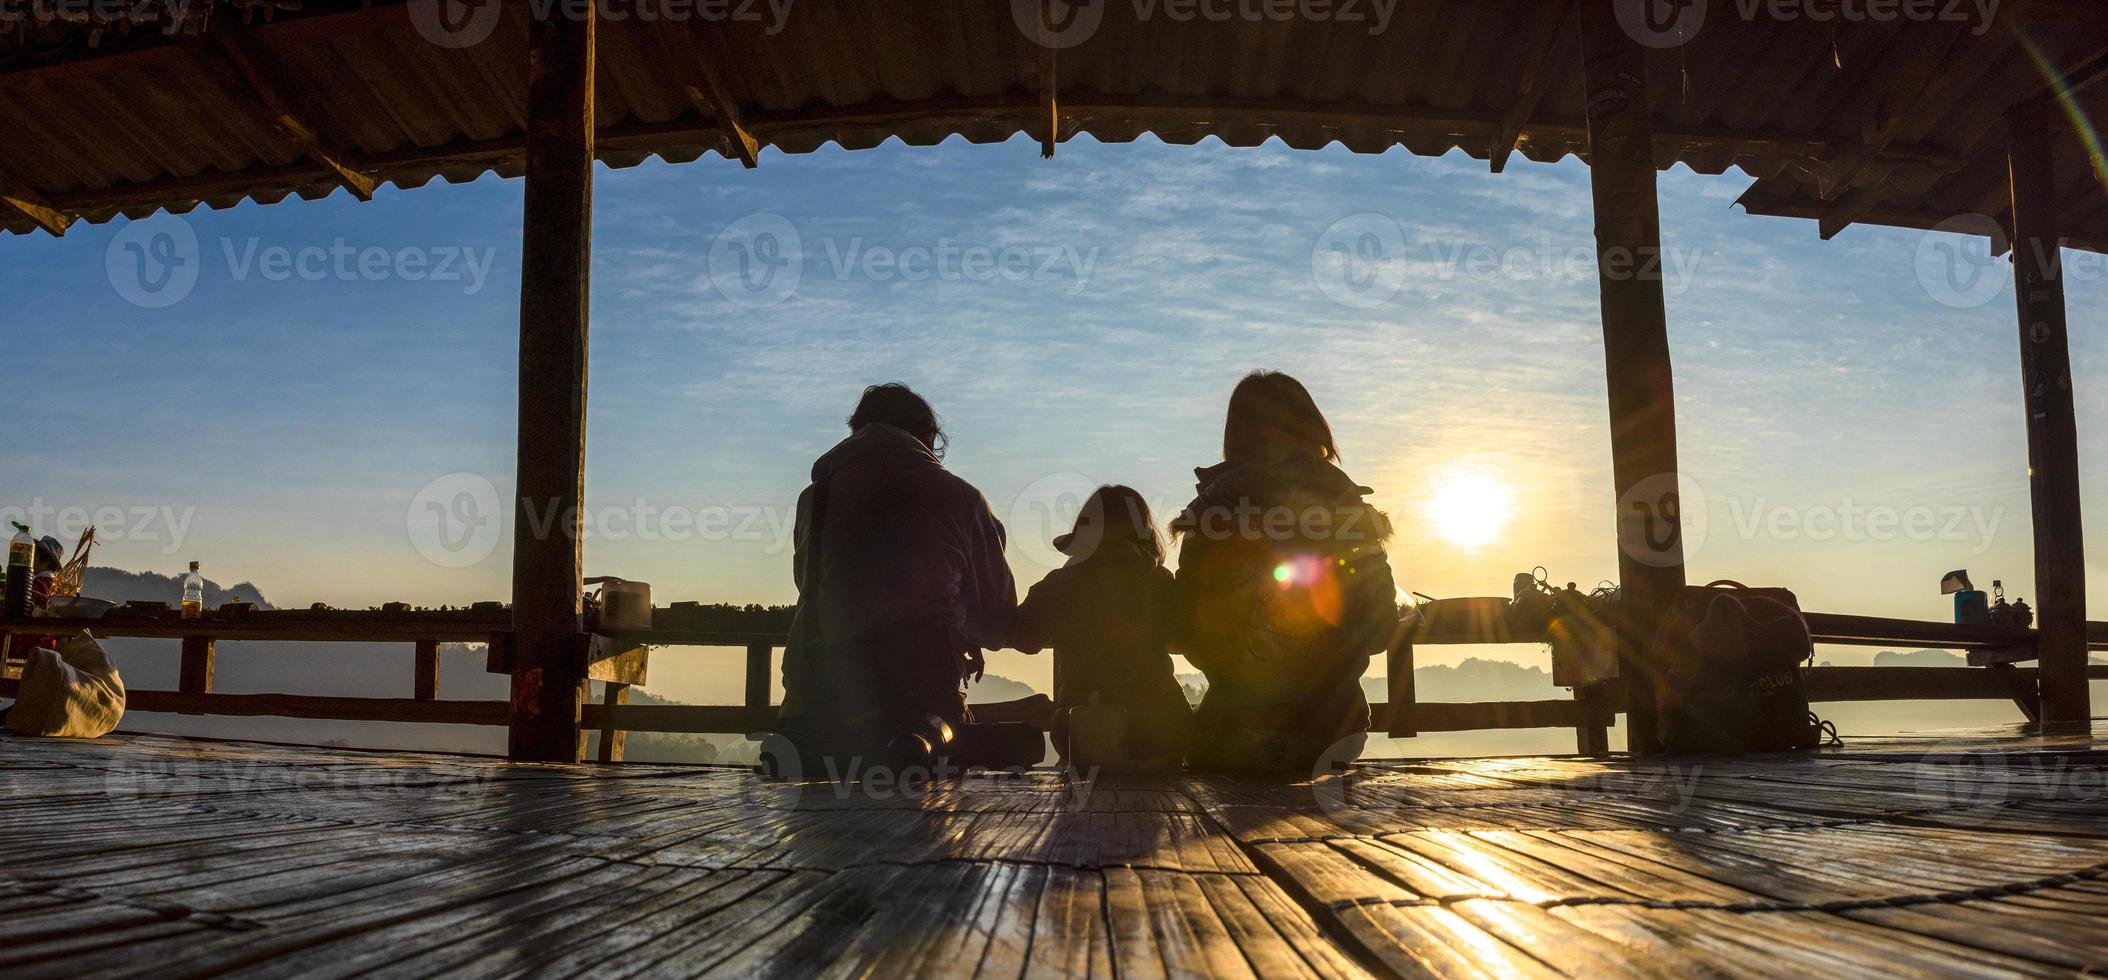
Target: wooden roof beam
<point>1529,92</point>
<point>712,97</point>
<point>230,58</point>
<point>1840,176</point>
<point>26,203</point>
<point>1847,168</point>
<point>1049,109</point>
<point>1844,173</point>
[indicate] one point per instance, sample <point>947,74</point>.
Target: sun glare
<point>1469,508</point>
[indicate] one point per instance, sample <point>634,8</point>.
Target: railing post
<point>2052,429</point>
<point>1592,737</point>
<point>612,736</point>
<point>760,663</point>
<point>427,671</point>
<point>548,675</point>
<point>195,676</point>
<point>1636,350</point>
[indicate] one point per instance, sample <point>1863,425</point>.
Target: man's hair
<point>897,405</point>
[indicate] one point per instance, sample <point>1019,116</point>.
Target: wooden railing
<point>619,658</point>
<point>194,694</point>
<point>1593,708</point>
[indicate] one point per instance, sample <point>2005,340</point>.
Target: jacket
<point>1107,614</point>
<point>908,549</point>
<point>1283,593</point>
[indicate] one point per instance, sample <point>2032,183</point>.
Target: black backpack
<point>1728,660</point>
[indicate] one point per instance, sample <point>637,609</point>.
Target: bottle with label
<point>193,593</point>
<point>21,565</point>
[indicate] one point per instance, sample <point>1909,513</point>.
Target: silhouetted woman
<point>901,584</point>
<point>1283,589</point>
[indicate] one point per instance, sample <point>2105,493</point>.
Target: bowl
<point>78,607</point>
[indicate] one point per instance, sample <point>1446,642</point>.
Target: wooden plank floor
<point>1983,854</point>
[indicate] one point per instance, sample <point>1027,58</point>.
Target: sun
<point>1469,508</point>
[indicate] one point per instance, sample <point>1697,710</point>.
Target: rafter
<point>1048,113</point>
<point>1530,92</point>
<point>1843,174</point>
<point>1050,110</point>
<point>711,96</point>
<point>26,203</point>
<point>229,57</point>
<point>1850,165</point>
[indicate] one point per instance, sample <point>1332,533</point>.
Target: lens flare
<point>2089,136</point>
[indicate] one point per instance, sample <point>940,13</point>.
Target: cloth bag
<point>72,692</point>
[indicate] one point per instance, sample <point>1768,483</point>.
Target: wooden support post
<point>2052,429</point>
<point>1636,350</point>
<point>549,669</point>
<point>195,675</point>
<point>760,667</point>
<point>612,737</point>
<point>427,682</point>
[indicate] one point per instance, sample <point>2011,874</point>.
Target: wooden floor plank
<point>1070,934</point>
<point>138,855</point>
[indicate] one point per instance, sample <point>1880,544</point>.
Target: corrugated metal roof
<point>1901,116</point>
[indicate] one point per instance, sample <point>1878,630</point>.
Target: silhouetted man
<point>901,584</point>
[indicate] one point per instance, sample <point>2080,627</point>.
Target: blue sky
<point>1088,321</point>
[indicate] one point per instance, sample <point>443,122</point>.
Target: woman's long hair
<point>1272,414</point>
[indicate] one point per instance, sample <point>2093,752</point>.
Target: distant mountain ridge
<point>1919,658</point>
<point>118,585</point>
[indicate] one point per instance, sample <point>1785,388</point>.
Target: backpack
<point>1728,659</point>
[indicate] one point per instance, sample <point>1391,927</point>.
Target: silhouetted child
<point>1107,614</point>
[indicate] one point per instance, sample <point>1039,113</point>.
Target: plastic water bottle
<point>21,564</point>
<point>193,593</point>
